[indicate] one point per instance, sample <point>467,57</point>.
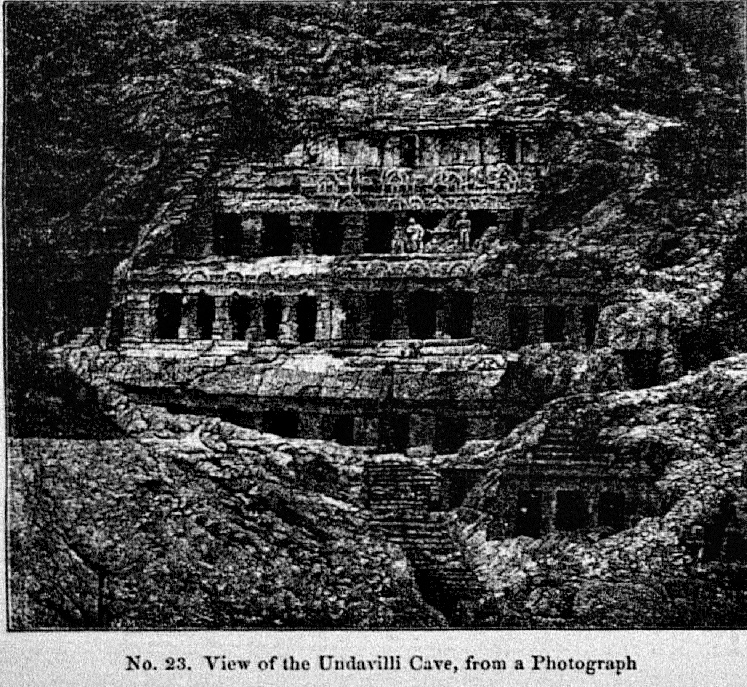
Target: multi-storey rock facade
<point>374,263</point>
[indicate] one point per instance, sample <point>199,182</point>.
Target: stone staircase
<point>403,506</point>
<point>559,444</point>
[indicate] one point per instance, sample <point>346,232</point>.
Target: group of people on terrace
<point>411,238</point>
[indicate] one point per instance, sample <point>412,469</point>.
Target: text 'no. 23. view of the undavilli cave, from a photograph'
<point>376,315</point>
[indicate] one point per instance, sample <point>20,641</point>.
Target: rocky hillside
<point>681,566</point>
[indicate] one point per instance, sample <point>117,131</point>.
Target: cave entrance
<point>205,315</point>
<point>459,324</point>
<point>396,434</point>
<point>306,308</point>
<point>554,323</point>
<point>382,315</point>
<point>589,317</point>
<point>451,433</point>
<point>480,220</point>
<point>227,234</point>
<point>328,233</point>
<point>343,430</point>
<point>116,327</point>
<point>168,315</point>
<point>611,510</point>
<point>277,234</point>
<point>422,314</point>
<point>284,423</point>
<point>528,521</point>
<point>380,233</point>
<point>641,367</point>
<point>272,316</point>
<point>518,326</point>
<point>571,510</point>
<point>241,312</point>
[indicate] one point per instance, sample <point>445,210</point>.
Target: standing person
<point>415,236</point>
<point>398,241</point>
<point>464,229</point>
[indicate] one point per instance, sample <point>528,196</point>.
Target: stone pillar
<point>251,228</point>
<point>323,317</point>
<point>139,317</point>
<point>337,319</point>
<point>422,429</point>
<point>400,328</point>
<point>255,330</point>
<point>188,327</point>
<point>294,219</point>
<point>288,327</point>
<point>223,327</point>
<point>443,314</point>
<point>302,226</point>
<point>536,314</point>
<point>574,326</point>
<point>366,431</point>
<point>354,227</point>
<point>310,425</point>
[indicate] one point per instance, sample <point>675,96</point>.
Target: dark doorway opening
<point>380,233</point>
<point>528,521</point>
<point>284,423</point>
<point>611,511</point>
<point>409,150</point>
<point>116,327</point>
<point>641,368</point>
<point>306,318</point>
<point>516,226</point>
<point>343,430</point>
<point>508,147</point>
<point>554,323</point>
<point>518,326</point>
<point>328,233</point>
<point>459,325</point>
<point>457,484</point>
<point>382,315</point>
<point>241,311</point>
<point>451,433</point>
<point>571,512</point>
<point>272,316</point>
<point>168,315</point>
<point>589,317</point>
<point>277,234</point>
<point>396,434</point>
<point>227,233</point>
<point>353,328</point>
<point>480,220</point>
<point>205,315</point>
<point>422,314</point>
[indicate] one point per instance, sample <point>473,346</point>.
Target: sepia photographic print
<point>371,315</point>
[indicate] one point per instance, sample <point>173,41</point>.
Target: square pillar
<point>323,317</point>
<point>337,319</point>
<point>366,431</point>
<point>139,318</point>
<point>288,327</point>
<point>354,226</point>
<point>223,327</point>
<point>536,315</point>
<point>251,229</point>
<point>302,226</point>
<point>188,327</point>
<point>422,429</point>
<point>310,425</point>
<point>443,314</point>
<point>400,328</point>
<point>575,333</point>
